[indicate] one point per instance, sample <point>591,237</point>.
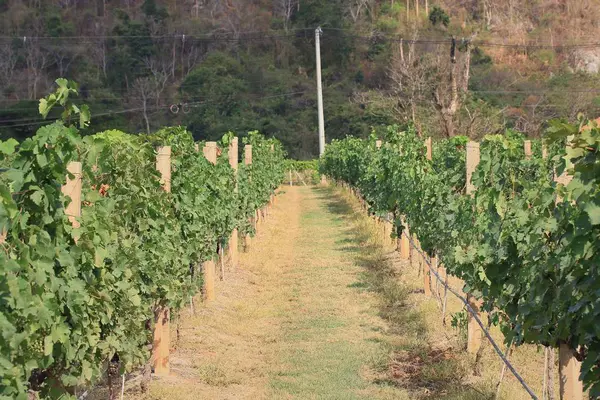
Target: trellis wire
<point>474,314</point>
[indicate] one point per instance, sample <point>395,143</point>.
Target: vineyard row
<point>516,220</point>
<point>105,237</point>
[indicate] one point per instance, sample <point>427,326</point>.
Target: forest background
<point>450,67</point>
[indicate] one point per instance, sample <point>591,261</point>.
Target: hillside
<point>240,65</point>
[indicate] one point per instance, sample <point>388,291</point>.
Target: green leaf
<point>7,147</point>
<point>593,211</point>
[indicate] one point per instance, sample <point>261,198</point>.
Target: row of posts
<point>571,388</point>
<point>161,333</point>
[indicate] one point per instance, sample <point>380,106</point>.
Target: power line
<point>226,36</point>
<point>481,43</point>
<point>292,33</point>
<point>151,108</point>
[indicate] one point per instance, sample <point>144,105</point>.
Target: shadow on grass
<point>413,364</point>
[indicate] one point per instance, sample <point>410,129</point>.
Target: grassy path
<point>322,308</point>
<point>293,322</point>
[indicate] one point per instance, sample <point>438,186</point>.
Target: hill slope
<point>219,65</point>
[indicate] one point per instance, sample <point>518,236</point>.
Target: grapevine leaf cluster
<point>523,243</point>
<point>73,299</point>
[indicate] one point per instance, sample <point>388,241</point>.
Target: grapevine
<point>525,245</point>
<point>73,299</point>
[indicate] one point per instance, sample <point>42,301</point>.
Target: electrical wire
<point>150,108</point>
<point>292,33</point>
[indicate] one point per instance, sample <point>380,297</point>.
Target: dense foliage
<point>241,65</point>
<point>73,299</point>
<point>525,245</point>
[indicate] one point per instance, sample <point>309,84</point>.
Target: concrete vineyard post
<point>527,149</point>
<point>161,337</point>
<point>473,329</point>
<point>209,266</point>
<point>378,143</point>
<point>233,241</point>
<point>248,161</point>
<point>569,368</point>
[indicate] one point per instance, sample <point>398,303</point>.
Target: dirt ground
<point>323,308</point>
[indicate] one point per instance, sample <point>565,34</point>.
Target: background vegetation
<point>240,65</point>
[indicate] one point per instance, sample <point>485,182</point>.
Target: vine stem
<point>508,351</point>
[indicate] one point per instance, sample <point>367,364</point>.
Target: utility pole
<point>318,33</point>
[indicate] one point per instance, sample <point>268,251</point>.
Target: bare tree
<point>64,57</point>
<point>143,87</point>
<point>453,85</point>
<point>285,10</point>
<point>159,68</point>
<point>8,63</point>
<point>356,7</point>
<point>99,54</point>
<point>411,78</point>
<point>37,60</point>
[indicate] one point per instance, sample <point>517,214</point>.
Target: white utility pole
<point>318,33</point>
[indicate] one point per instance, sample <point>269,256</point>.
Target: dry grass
<point>323,308</point>
<point>431,359</point>
<point>290,323</point>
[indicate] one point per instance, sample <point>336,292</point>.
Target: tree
<point>439,16</point>
<point>143,87</point>
<point>285,9</point>
<point>453,78</point>
<point>411,80</point>
<point>356,7</point>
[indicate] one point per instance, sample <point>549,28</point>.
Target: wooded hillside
<point>239,65</point>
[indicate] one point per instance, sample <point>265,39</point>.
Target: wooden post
<point>378,143</point>
<point>426,276</point>
<point>544,151</point>
<point>473,329</point>
<point>209,272</point>
<point>162,340</point>
<point>404,241</point>
<point>248,161</point>
<point>527,149</point>
<point>209,266</point>
<point>210,152</point>
<point>414,254</point>
<point>428,146</point>
<point>426,270</point>
<point>72,189</point>
<point>233,240</point>
<point>569,368</point>
<point>472,162</point>
<point>571,388</point>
